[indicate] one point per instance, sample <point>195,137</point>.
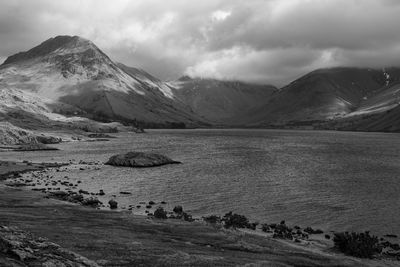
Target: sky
<point>261,41</point>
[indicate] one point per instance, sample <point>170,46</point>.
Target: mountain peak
<point>62,42</point>
<point>185,78</point>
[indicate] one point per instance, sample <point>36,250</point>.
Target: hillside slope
<point>222,102</point>
<point>330,94</point>
<point>74,71</point>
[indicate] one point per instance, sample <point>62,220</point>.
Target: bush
<point>178,209</point>
<point>311,231</point>
<point>235,220</point>
<point>361,245</point>
<point>92,202</point>
<point>282,231</point>
<point>253,225</point>
<point>160,213</point>
<point>213,219</point>
<point>187,217</point>
<point>265,228</point>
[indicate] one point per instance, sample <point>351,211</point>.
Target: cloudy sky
<point>264,41</point>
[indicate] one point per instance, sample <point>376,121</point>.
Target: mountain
<point>222,102</point>
<point>330,94</point>
<point>74,71</point>
<point>67,81</point>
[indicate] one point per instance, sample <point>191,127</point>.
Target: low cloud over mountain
<point>259,41</point>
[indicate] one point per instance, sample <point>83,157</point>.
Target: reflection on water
<point>332,180</point>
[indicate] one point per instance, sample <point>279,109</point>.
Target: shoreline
<point>170,230</point>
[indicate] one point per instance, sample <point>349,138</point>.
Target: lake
<point>324,179</point>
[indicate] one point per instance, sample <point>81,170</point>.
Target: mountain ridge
<point>75,71</point>
<point>70,71</point>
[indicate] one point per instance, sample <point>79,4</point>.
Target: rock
<point>391,235</point>
<point>125,193</point>
<point>113,204</point>
<point>139,159</point>
<point>48,139</point>
<point>178,209</point>
<point>101,192</point>
<point>151,202</point>
<point>327,236</point>
<point>83,192</point>
<point>100,135</point>
<point>20,248</point>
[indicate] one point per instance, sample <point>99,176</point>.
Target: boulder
<point>113,204</point>
<point>140,159</point>
<point>20,248</point>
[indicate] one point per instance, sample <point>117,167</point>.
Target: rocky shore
<point>161,238</point>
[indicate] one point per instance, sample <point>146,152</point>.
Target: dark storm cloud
<point>257,40</point>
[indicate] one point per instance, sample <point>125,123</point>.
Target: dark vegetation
<point>233,220</point>
<point>361,245</point>
<point>160,213</point>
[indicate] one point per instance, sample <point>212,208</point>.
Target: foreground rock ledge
<point>140,160</point>
<point>19,248</point>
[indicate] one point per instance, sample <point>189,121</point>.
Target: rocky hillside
<point>25,117</point>
<point>74,71</point>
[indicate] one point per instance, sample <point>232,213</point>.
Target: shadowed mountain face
<point>328,94</point>
<point>74,71</point>
<point>222,102</point>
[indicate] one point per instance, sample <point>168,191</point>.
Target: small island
<point>140,160</point>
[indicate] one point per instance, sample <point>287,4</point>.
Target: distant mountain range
<point>70,76</point>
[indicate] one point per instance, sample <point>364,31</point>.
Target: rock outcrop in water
<point>140,159</point>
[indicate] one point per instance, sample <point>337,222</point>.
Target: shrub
<point>183,216</point>
<point>311,231</point>
<point>160,213</point>
<point>187,217</point>
<point>361,245</point>
<point>93,202</point>
<point>282,231</point>
<point>213,219</point>
<point>253,225</point>
<point>235,220</point>
<point>265,228</point>
<point>178,209</point>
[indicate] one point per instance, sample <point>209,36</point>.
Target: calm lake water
<point>330,180</point>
